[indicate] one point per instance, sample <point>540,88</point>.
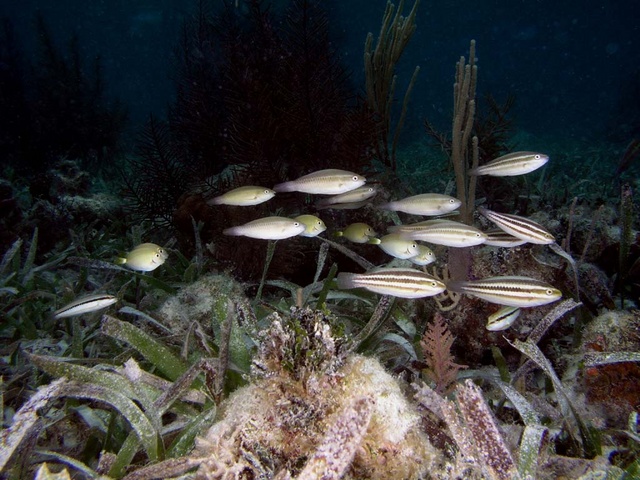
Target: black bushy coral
<point>267,95</point>
<point>57,104</point>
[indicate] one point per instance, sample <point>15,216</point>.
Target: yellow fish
<point>243,196</point>
<point>357,233</point>
<point>146,257</point>
<point>397,246</point>
<point>313,225</point>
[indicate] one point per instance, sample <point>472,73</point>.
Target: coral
<point>282,419</point>
<point>436,347</point>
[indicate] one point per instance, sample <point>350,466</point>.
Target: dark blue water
<point>571,64</point>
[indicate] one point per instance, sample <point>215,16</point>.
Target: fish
<point>146,257</point>
<point>357,233</point>
<point>397,246</point>
<point>447,232</point>
<point>85,304</point>
<point>357,197</point>
<point>324,182</point>
<point>314,226</point>
<point>424,204</point>
<point>268,228</point>
<point>515,163</point>
<point>503,318</point>
<point>520,227</point>
<point>412,227</point>
<point>424,257</point>
<point>243,196</point>
<point>499,238</point>
<point>398,282</point>
<point>513,291</point>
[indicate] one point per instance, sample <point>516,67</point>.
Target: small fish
<point>357,233</point>
<point>313,225</point>
<point>424,257</point>
<point>502,319</point>
<point>86,304</point>
<point>146,257</point>
<point>397,246</point>
<point>509,290</point>
<point>424,204</point>
<point>268,228</point>
<point>358,197</point>
<point>520,227</point>
<point>413,227</point>
<point>398,282</point>
<point>515,163</point>
<point>324,182</point>
<point>499,238</point>
<point>449,233</point>
<point>244,196</point>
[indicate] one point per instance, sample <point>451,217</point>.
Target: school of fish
<point>348,190</point>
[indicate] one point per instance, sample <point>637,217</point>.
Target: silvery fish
<point>412,227</point>
<point>397,246</point>
<point>509,290</point>
<point>86,304</point>
<point>424,204</point>
<point>357,233</point>
<point>313,225</point>
<point>499,238</point>
<point>328,182</point>
<point>447,232</point>
<point>424,257</point>
<point>244,196</point>
<point>502,319</point>
<point>268,228</point>
<point>516,163</point>
<point>399,282</point>
<point>520,227</point>
<point>358,197</point>
<point>146,257</point>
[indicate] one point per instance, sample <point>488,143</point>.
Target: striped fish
<point>512,291</point>
<point>516,163</point>
<point>424,204</point>
<point>86,304</point>
<point>520,227</point>
<point>502,319</point>
<point>499,238</point>
<point>398,282</point>
<point>447,232</point>
<point>328,182</point>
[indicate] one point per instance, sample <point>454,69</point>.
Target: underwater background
<point>161,318</point>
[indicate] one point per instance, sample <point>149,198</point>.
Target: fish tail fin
<point>456,286</point>
<point>345,280</point>
<point>233,231</point>
<point>339,233</point>
<point>214,201</point>
<point>284,187</point>
<point>374,241</point>
<point>120,261</point>
<point>386,206</point>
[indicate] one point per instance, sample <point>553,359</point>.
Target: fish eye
<point>266,190</point>
<point>354,178</point>
<point>549,291</point>
<point>452,201</point>
<point>319,222</point>
<point>413,245</point>
<point>296,224</point>
<point>537,156</point>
